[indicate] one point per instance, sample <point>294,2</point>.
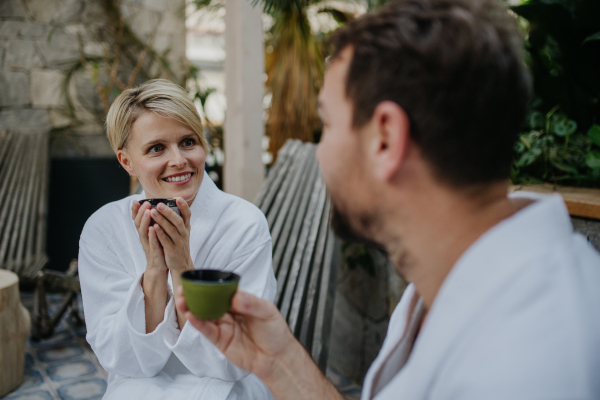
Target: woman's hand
<point>155,257</point>
<point>173,232</point>
<point>154,280</point>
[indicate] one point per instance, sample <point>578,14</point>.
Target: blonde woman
<point>129,269</point>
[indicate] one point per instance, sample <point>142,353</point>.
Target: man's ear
<point>391,138</point>
<point>125,161</point>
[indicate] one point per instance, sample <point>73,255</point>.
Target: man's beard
<point>342,227</point>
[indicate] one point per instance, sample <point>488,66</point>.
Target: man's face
<point>341,157</point>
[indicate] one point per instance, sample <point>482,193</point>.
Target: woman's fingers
<point>163,238</point>
<point>172,217</point>
<point>185,211</point>
<point>144,225</point>
<point>135,207</point>
<point>140,214</point>
<point>165,224</point>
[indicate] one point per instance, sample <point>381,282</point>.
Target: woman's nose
<point>177,160</point>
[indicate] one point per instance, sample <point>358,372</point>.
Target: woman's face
<point>166,156</point>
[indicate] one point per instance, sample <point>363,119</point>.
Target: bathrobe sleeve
<point>196,352</point>
<point>113,301</point>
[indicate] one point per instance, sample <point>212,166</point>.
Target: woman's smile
<point>179,179</point>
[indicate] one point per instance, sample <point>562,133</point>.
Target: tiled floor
<point>62,367</point>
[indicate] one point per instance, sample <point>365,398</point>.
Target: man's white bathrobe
<point>227,233</point>
<point>518,317</point>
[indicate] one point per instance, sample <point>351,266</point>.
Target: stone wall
<point>43,83</point>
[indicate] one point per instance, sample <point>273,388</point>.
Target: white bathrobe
<point>518,317</point>
<point>227,233</point>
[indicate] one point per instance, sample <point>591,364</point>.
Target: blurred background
<point>62,63</point>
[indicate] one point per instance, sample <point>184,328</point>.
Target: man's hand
<point>255,337</point>
<point>252,336</point>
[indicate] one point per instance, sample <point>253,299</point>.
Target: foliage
<point>560,141</point>
<point>358,255</point>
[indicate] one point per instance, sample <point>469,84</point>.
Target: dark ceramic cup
<point>171,203</point>
<point>208,292</point>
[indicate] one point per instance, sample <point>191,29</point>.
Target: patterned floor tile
<point>76,369</point>
<point>89,389</point>
<point>63,366</point>
<point>60,352</point>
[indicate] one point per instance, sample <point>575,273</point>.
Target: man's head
<point>434,87</point>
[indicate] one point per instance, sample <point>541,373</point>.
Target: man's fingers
<point>247,304</point>
<point>208,328</point>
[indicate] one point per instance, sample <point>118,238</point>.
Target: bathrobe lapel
<point>483,271</point>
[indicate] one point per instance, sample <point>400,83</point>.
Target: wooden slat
<point>282,229</point>
<point>284,155</point>
<point>279,175</point>
<point>21,200</point>
<point>580,202</point>
<point>288,189</point>
<point>29,203</point>
<point>310,307</point>
<point>300,292</point>
<point>9,209</point>
<point>323,320</point>
<point>292,232</point>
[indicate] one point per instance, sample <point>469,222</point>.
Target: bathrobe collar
<point>485,269</point>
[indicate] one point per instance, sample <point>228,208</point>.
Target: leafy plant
<point>560,141</point>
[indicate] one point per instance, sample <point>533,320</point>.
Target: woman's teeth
<point>179,178</point>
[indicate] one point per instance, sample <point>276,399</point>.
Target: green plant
<point>559,142</point>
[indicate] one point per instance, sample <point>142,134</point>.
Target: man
<point>421,104</point>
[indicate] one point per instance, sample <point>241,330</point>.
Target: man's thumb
<point>247,304</point>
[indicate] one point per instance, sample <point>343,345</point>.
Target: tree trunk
<point>15,326</point>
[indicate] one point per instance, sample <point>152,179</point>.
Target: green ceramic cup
<point>208,292</point>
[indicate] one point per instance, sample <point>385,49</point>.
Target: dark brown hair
<point>456,68</point>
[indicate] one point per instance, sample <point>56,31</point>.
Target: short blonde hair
<point>159,96</point>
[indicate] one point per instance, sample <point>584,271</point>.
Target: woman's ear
<point>125,162</point>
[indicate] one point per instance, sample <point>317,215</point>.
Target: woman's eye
<point>155,149</point>
<point>188,142</point>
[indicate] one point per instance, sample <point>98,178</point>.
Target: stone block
<point>14,89</point>
<point>143,22</point>
<point>25,120</point>
<point>59,118</point>
<point>47,88</point>
<point>60,50</point>
<point>22,54</point>
<point>11,9</point>
<point>32,30</point>
<point>10,29</point>
<point>42,10</point>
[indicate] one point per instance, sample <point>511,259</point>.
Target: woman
<point>129,269</point>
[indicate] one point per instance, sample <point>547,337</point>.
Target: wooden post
<point>244,79</point>
<point>14,331</point>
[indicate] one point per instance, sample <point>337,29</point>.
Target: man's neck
<point>437,226</point>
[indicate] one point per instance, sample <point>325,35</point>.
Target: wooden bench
<point>305,251</point>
